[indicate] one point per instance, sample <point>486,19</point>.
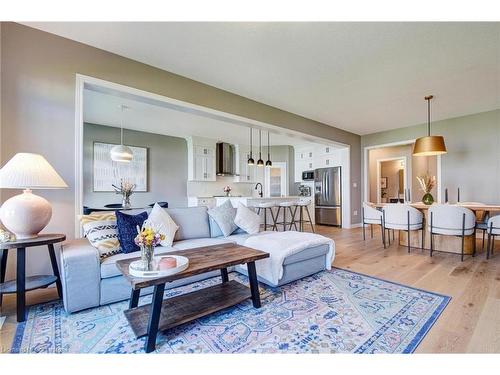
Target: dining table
<point>443,243</point>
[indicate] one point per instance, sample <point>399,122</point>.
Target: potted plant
<point>227,190</point>
<point>147,239</point>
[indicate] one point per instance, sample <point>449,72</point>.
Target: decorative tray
<point>160,264</point>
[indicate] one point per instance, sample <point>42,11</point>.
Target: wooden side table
<point>22,284</point>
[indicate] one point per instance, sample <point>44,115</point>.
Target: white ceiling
<point>105,109</point>
<point>362,77</point>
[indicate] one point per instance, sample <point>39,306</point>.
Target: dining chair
<point>481,218</point>
<point>161,204</point>
<point>403,217</point>
<point>371,216</point>
<point>493,230</point>
<point>113,205</point>
<point>448,220</point>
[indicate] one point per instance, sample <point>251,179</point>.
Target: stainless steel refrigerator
<point>328,196</point>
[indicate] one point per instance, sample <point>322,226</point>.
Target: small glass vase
<point>428,199</point>
<point>228,193</point>
<point>147,256</point>
<point>126,201</point>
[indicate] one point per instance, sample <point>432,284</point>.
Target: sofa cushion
<point>199,242</point>
<point>160,219</point>
<point>224,217</point>
<point>102,232</point>
<point>127,229</point>
<point>192,222</point>
<point>108,266</point>
<point>247,219</point>
<point>215,229</point>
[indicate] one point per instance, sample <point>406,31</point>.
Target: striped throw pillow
<point>101,231</point>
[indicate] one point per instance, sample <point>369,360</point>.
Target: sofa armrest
<point>80,275</point>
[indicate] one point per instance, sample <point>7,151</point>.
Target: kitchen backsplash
<point>209,189</point>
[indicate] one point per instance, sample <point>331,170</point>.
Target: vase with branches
<point>427,183</point>
<point>126,189</point>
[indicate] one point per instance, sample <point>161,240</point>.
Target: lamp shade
<point>121,153</point>
<point>29,171</point>
<point>430,145</point>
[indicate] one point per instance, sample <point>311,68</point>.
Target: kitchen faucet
<point>260,192</point>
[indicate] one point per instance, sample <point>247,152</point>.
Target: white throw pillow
<point>160,219</point>
<point>247,220</point>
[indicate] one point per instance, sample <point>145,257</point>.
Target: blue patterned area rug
<point>336,311</point>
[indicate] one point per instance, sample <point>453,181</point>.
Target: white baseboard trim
<point>2,319</point>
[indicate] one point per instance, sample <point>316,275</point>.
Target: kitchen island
<point>255,201</point>
<point>251,201</point>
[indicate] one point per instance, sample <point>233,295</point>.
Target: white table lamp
<point>27,214</point>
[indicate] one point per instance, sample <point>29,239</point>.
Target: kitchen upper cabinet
<point>245,172</point>
<point>310,158</point>
<point>201,159</point>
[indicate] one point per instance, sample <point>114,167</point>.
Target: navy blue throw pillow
<point>127,229</point>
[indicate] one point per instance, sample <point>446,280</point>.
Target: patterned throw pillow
<point>224,217</point>
<point>127,229</point>
<point>102,232</point>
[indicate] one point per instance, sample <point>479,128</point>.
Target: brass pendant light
<point>250,158</point>
<point>260,162</point>
<point>269,163</point>
<point>432,144</point>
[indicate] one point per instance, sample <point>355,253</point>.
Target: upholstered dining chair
<point>481,218</point>
<point>161,204</point>
<point>493,230</point>
<point>448,220</point>
<point>403,217</point>
<point>371,217</point>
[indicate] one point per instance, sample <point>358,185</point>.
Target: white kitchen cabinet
<point>321,156</point>
<point>201,201</point>
<point>201,159</point>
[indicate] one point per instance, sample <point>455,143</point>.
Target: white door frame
<point>379,173</point>
<point>366,184</point>
<point>284,166</point>
<point>84,81</point>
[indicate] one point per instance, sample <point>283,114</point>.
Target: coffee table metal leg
<point>154,318</point>
<point>254,284</point>
<point>224,275</point>
<point>55,269</point>
<point>134,298</point>
<point>21,284</point>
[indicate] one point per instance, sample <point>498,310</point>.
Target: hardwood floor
<point>470,323</point>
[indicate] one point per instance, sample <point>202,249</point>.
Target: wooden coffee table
<point>162,314</point>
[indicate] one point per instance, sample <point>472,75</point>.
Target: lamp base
<point>25,214</point>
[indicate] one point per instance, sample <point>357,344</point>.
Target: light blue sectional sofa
<point>87,282</point>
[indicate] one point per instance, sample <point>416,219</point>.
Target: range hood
<point>225,159</point>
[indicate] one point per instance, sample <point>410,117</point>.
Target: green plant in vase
<point>427,183</point>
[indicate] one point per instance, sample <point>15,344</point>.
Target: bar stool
<point>284,206</point>
<point>493,230</point>
<point>268,206</point>
<point>300,205</point>
<point>450,220</point>
<point>372,216</point>
<point>403,217</point>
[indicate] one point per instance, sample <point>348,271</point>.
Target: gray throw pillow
<point>224,217</point>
